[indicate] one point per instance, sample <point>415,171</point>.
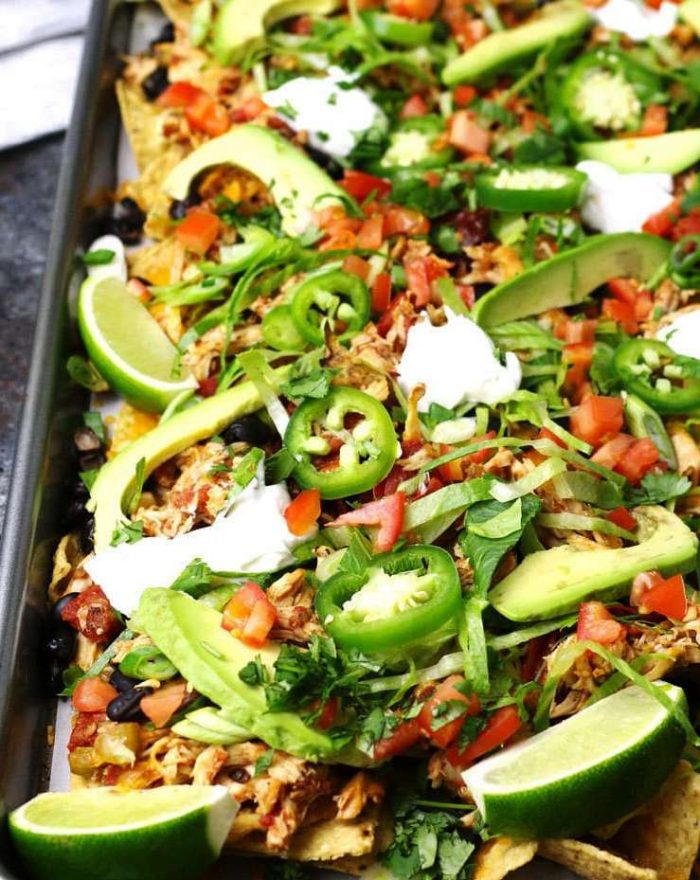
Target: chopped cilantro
<point>101,257</point>
<point>657,488</point>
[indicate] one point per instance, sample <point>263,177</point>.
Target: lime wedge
<point>127,345</point>
<point>170,833</point>
<point>586,771</point>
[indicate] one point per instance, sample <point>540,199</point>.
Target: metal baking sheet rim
<point>28,539</point>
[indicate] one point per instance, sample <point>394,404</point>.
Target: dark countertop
<point>28,177</point>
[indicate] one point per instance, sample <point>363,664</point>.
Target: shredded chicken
<point>293,598</point>
<point>355,796</point>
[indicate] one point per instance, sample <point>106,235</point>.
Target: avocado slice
<point>567,278</point>
<point>668,153</point>
<point>552,582</point>
<point>296,182</point>
<point>559,20</point>
<point>117,478</point>
<point>240,25</point>
<point>192,638</point>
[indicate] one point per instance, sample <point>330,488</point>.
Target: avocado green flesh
<point>117,477</point>
<point>296,183</point>
<point>552,582</point>
<point>668,153</point>
<point>241,24</point>
<point>192,638</point>
<point>565,18</point>
<point>567,278</point>
<point>210,725</point>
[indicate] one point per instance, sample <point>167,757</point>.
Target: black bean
<point>155,83</point>
<point>58,606</point>
<point>166,35</point>
<point>240,774</point>
<point>125,220</point>
<point>60,644</point>
<point>76,514</point>
<point>87,533</point>
<point>473,227</point>
<point>179,207</point>
<point>333,168</point>
<point>88,461</point>
<point>120,681</point>
<point>79,491</point>
<point>55,681</point>
<point>86,440</point>
<point>249,429</point>
<point>126,707</point>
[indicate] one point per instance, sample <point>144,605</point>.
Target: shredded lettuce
<point>266,382</point>
<point>577,522</point>
<point>586,487</point>
<point>543,473</point>
<point>448,502</point>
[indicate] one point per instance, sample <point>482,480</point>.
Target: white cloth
<point>40,49</point>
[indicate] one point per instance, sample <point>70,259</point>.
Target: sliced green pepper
<point>530,188</point>
<point>652,371</point>
<point>336,298</point>
<point>146,661</point>
<point>344,444</point>
<point>280,332</point>
<point>643,421</point>
<point>606,92</point>
<point>399,599</point>
<point>394,29</point>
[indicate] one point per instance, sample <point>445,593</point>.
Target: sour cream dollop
<point>457,363</point>
<point>614,202</point>
<point>252,537</point>
<point>637,20</point>
<point>682,333</point>
<point>329,108</point>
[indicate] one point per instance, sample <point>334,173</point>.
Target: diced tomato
<point>546,434</point>
<point>178,94</point>
<point>453,471</point>
<point>622,518</point>
<point>302,513</point>
<point>354,265</point>
<point>429,719</point>
<point>328,714</point>
<point>651,592</point>
<point>576,332</point>
<point>207,115</point>
<point>596,624</point>
<point>578,354</point>
<point>535,651</point>
<point>467,135</point>
<point>688,225</point>
<point>611,452</point>
<point>207,387</point>
<point>405,221</point>
<point>93,695</point>
<point>381,292</point>
<point>655,120</point>
<point>643,305</point>
<point>467,294</point>
<point>160,706</point>
<point>638,459</point>
<point>91,614</point>
<point>414,106</point>
<point>420,274</point>
<point>360,185</point>
<point>623,313</point>
<point>624,289</point>
<point>250,109</point>
<point>387,513</point>
<point>597,419</point>
<point>302,26</point>
<point>249,615</point>
<point>663,221</point>
<point>371,233</point>
<point>402,738</point>
<point>464,95</point>
<point>500,727</point>
<point>397,305</point>
<point>198,231</point>
<point>345,240</point>
<point>421,10</point>
<point>333,220</point>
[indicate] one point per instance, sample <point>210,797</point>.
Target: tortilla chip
<point>159,263</point>
<point>500,856</point>
<point>66,558</point>
<point>143,124</point>
<point>590,861</point>
<point>178,11</point>
<point>665,835</point>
